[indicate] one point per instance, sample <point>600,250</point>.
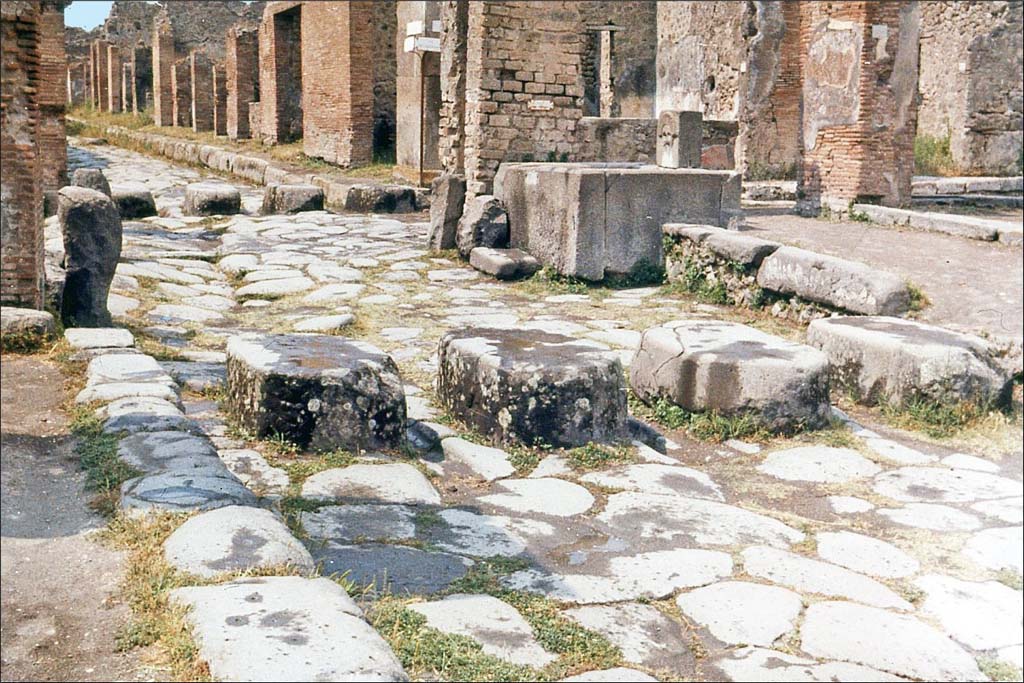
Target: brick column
<point>52,140</point>
<point>242,67</point>
<point>115,74</point>
<point>201,79</point>
<point>181,93</point>
<point>142,78</point>
<point>21,213</point>
<point>220,100</point>
<point>163,72</point>
<point>452,116</point>
<point>102,75</point>
<point>859,113</point>
<point>127,87</point>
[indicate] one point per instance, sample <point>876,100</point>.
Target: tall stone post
<point>115,77</point>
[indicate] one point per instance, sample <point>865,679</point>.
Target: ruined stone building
<point>32,141</point>
<point>971,74</point>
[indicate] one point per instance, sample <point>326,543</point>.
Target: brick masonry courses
<point>163,72</point>
<point>280,110</point>
<point>52,98</point>
<point>242,72</point>
<point>181,93</point>
<point>220,100</point>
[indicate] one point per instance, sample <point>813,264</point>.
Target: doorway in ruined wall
<point>288,76</point>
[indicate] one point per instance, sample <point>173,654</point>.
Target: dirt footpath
<point>59,618</point>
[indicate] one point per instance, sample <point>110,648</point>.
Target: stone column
<point>127,87</point>
<point>115,74</point>
<point>102,75</point>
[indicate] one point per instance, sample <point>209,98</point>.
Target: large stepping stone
<point>942,485</point>
<point>184,492</point>
<point>819,464</point>
<point>292,199</point>
<point>173,451</point>
<point>395,569</point>
<point>896,643</point>
<point>544,496</point>
<point>471,533</point>
<point>233,539</point>
<point>211,199</point>
<point>85,338</point>
<point>732,369</point>
<point>318,391</point>
<point>532,387</point>
<point>496,625</point>
<point>657,478</point>
<point>352,522</point>
<point>91,178</point>
<point>133,200</point>
<point>643,633</point>
<point>652,575</point>
<point>772,666</point>
<point>488,463</point>
<point>865,554</point>
<point>997,549</point>
<point>92,247</point>
<point>285,628</point>
<point>737,612</point>
<point>253,470</point>
<point>835,282</point>
<point>399,483</point>
<point>697,522</point>
<point>981,615</point>
<point>135,414</point>
<point>891,360</point>
<point>812,576</point>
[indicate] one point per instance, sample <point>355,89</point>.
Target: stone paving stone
<point>275,288</point>
<point>896,643</point>
<point>941,485</point>
<point>981,615</point>
<point>195,376</point>
<point>1010,510</point>
<point>996,549</point>
<point>318,391</point>
<point>782,383</point>
<point>618,674</point>
<point>741,613</point>
<point>531,387</point>
<point>394,569</point>
<point>544,496</point>
<point>652,575</point>
<point>496,625</point>
<point>143,414</point>
<point>819,464</point>
<point>285,628</point>
<point>254,471</point>
<point>329,272</point>
<point>471,533</point>
<point>238,264</point>
<point>324,323</point>
<point>265,273</point>
<point>333,293</point>
<point>693,521</point>
<point>551,466</point>
<point>112,391</point>
<point>487,463</point>
<point>843,505</point>
<point>932,517</point>
<point>184,492</point>
<point>178,313</point>
<point>353,522</point>
<point>99,337</point>
<point>865,554</point>
<point>657,478</point>
<point>212,302</point>
<point>771,666</point>
<point>969,462</point>
<point>233,539</point>
<point>643,633</point>
<point>154,452</point>
<point>399,483</point>
<point>812,576</point>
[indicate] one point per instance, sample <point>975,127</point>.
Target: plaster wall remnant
<point>970,82</point>
<point>418,89</point>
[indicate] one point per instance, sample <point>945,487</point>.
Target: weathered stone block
<point>24,328</point>
<point>680,136</point>
<point>729,245</point>
<point>250,168</point>
<point>504,264</point>
<point>882,359</point>
<point>292,199</point>
<point>836,282</point>
<point>134,200</point>
<point>590,220</point>
<point>91,178</point>
<point>318,391</point>
<point>380,199</point>
<point>449,194</point>
<point>484,223</point>
<point>211,199</point>
<point>532,387</point>
<point>92,247</point>
<point>732,369</point>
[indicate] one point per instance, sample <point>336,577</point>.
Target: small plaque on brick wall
<point>540,105</point>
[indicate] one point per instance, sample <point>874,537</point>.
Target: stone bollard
<point>92,245</point>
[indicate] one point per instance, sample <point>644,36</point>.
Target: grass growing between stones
<point>706,426</point>
<point>918,299</point>
<point>998,670</point>
<point>97,453</point>
<point>937,420</point>
<point>595,456</point>
<point>1010,579</point>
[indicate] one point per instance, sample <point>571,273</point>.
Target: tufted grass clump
<point>596,455</point>
<point>97,454</point>
<point>936,419</point>
<point>705,425</point>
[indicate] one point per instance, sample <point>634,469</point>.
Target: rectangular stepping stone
<point>504,264</point>
<point>318,391</point>
<point>882,359</point>
<point>487,463</point>
<point>732,369</point>
<point>532,387</point>
<point>286,628</point>
<point>98,337</point>
<point>391,569</point>
<point>846,285</point>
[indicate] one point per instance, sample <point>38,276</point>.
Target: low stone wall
<point>339,195</point>
<point>621,139</point>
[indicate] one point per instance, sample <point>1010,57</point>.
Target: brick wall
<point>163,72</point>
<point>201,80</point>
<point>21,212</point>
<point>242,73</point>
<point>338,105</point>
<point>280,65</point>
<point>52,141</point>
<point>524,86</point>
<point>970,82</point>
<point>142,79</point>
<point>452,114</point>
<point>631,67</point>
<point>181,92</point>
<point>859,62</point>
<point>220,100</point>
<point>114,75</point>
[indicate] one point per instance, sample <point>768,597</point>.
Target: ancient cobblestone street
<point>857,553</point>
